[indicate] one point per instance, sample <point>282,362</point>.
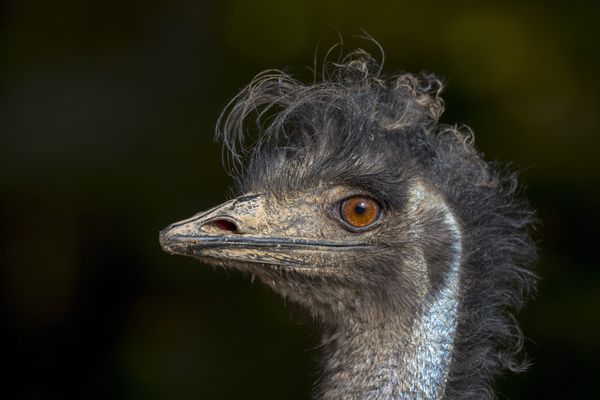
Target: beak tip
<point>164,240</point>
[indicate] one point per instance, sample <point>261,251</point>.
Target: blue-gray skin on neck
<point>434,333</point>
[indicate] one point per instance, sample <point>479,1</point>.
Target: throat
<point>395,361</point>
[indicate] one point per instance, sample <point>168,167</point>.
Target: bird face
<point>333,248</point>
<point>309,230</point>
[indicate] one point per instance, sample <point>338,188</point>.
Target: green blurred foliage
<point>107,110</point>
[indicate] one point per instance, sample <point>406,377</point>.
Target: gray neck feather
<point>391,361</point>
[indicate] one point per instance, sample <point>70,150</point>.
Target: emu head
<point>355,202</point>
<point>336,210</point>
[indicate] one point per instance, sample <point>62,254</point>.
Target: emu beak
<point>247,230</point>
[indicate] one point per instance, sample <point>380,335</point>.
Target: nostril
<point>224,225</point>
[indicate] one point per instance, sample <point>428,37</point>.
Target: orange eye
<point>359,211</point>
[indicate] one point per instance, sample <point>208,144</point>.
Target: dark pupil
<point>360,208</point>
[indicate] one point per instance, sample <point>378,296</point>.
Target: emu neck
<point>394,359</point>
<point>391,362</point>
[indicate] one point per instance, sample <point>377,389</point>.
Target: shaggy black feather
<point>378,133</point>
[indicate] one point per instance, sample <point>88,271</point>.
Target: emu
<point>388,226</point>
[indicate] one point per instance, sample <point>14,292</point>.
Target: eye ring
<point>359,212</point>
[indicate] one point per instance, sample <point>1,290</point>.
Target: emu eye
<point>359,211</point>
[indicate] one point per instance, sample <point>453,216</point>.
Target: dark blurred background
<point>107,111</point>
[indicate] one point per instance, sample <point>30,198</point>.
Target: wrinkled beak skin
<point>258,230</point>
